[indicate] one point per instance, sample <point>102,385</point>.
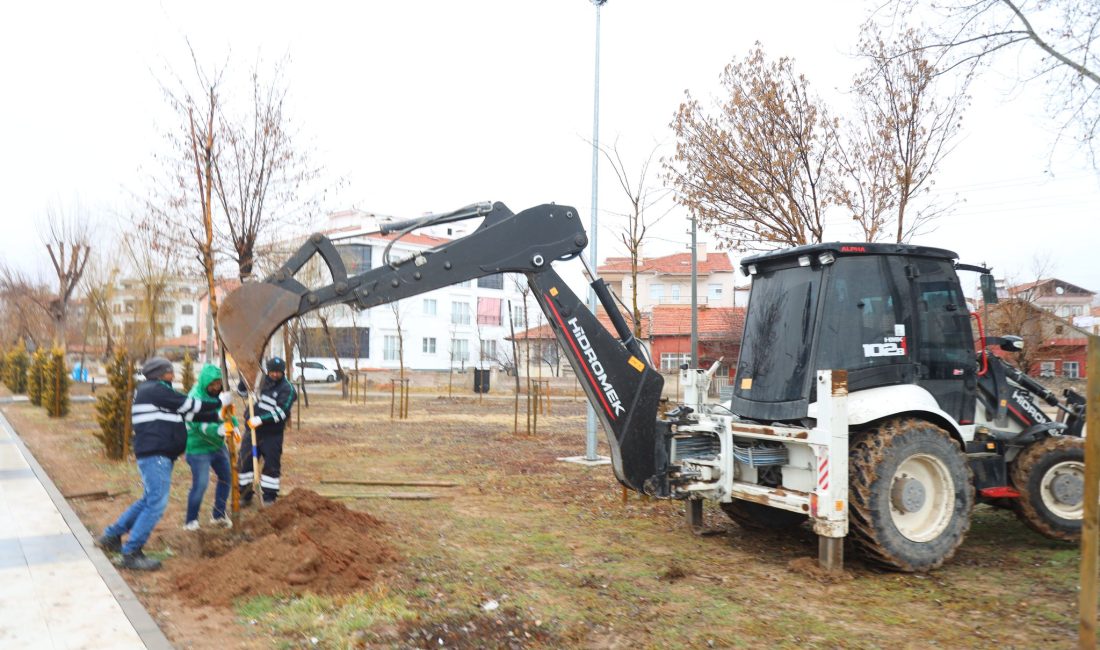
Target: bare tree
<point>100,289</point>
<point>260,175</point>
<point>153,262</point>
<point>67,239</point>
<point>903,130</point>
<point>642,197</point>
<point>756,170</point>
<point>1061,37</point>
<point>395,306</point>
<point>25,306</point>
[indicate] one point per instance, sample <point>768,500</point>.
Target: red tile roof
<point>672,320</point>
<point>677,263</point>
<point>544,331</point>
<point>711,322</point>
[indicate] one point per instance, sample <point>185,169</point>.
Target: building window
<point>495,281</point>
<point>517,316</point>
<point>488,311</point>
<point>488,350</point>
<point>427,345</point>
<point>186,329</point>
<point>460,350</point>
<point>656,292</point>
<point>1046,369</point>
<point>356,257</point>
<point>429,306</point>
<point>714,293</point>
<point>391,348</point>
<point>187,310</point>
<point>460,313</point>
<point>675,289</point>
<point>351,342</point>
<point>671,361</point>
<point>466,284</point>
<point>1071,370</point>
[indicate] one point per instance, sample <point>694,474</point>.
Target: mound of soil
<point>303,543</point>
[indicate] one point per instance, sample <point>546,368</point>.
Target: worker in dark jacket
<point>273,406</point>
<point>159,414</point>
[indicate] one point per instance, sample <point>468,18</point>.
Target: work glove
<point>221,430</point>
<point>255,421</point>
<point>225,397</point>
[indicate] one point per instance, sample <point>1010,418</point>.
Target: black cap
<point>276,364</point>
<point>156,367</point>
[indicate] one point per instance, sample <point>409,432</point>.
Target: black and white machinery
<point>859,404</point>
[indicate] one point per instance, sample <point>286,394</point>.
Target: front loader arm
<point>623,388</point>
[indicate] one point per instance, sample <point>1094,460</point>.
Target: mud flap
<point>624,390</point>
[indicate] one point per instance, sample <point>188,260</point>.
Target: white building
<point>667,280</point>
<point>461,326</point>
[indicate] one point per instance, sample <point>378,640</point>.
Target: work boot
<point>138,562</point>
<point>109,543</point>
<point>224,522</point>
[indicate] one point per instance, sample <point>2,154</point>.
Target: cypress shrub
<point>113,406</point>
<point>36,376</point>
<point>55,384</point>
<point>16,369</point>
<point>187,373</point>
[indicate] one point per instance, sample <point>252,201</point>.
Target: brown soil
<point>304,543</point>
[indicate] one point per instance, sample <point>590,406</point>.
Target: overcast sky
<point>430,105</point>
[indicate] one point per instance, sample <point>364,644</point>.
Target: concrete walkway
<point>56,589</point>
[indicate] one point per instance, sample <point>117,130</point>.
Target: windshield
<point>775,352</point>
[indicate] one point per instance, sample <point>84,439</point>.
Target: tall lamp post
<point>590,419</point>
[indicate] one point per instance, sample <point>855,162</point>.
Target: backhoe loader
<point>860,403</point>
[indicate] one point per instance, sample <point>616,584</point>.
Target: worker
<point>158,415</point>
<point>205,451</point>
<point>272,410</point>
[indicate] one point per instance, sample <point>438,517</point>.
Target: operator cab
<point>887,313</point>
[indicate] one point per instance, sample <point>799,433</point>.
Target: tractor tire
<point>1050,476</point>
<point>755,516</point>
<point>910,495</point>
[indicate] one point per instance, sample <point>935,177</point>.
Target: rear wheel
<point>1050,476</point>
<point>331,379</point>
<point>754,516</point>
<point>910,495</point>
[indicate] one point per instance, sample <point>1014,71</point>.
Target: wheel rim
<point>922,497</point>
<point>1062,489</point>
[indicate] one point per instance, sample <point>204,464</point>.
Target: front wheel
<point>910,495</point>
<point>1050,476</point>
<point>331,379</point>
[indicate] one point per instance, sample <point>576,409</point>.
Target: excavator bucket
<point>246,320</point>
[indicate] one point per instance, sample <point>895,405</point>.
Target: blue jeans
<point>141,517</point>
<point>200,477</point>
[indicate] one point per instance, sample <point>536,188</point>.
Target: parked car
<point>311,370</point>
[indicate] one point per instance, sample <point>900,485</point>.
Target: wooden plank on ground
<point>406,496</point>
<point>391,483</point>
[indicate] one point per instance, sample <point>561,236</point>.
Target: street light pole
<point>590,419</point>
<point>694,297</point>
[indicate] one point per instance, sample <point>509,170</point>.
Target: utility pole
<point>694,298</point>
<point>590,419</point>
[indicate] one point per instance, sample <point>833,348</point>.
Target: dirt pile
<point>304,543</point>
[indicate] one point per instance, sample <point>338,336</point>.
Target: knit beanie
<point>156,367</point>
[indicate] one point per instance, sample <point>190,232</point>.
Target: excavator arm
<point>622,386</point>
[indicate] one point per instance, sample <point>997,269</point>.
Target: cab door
<point>944,343</point>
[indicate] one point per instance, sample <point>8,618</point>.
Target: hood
<point>209,373</point>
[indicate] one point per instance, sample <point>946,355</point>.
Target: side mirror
<point>989,289</point>
<point>1011,343</point>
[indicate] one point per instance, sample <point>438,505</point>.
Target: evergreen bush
<point>55,384</point>
<point>113,406</point>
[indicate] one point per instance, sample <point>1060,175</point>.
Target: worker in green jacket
<point>205,450</point>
